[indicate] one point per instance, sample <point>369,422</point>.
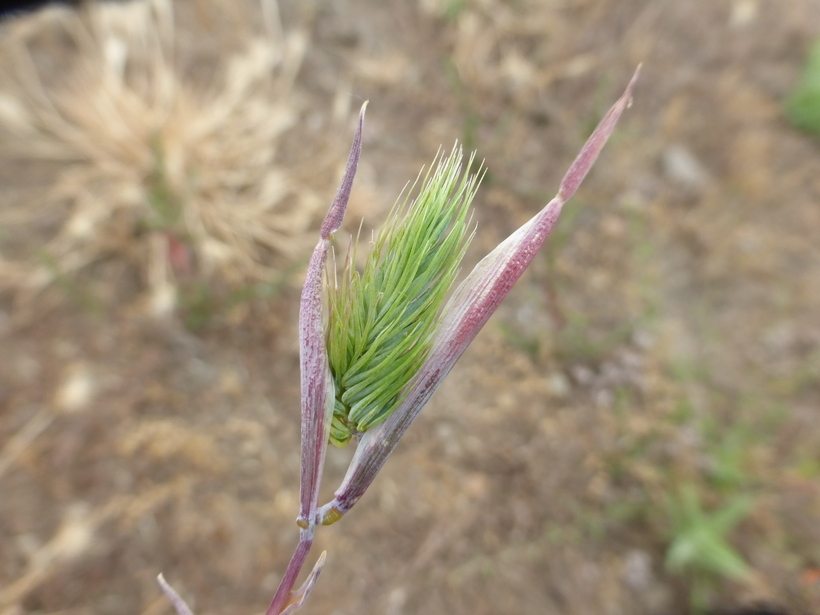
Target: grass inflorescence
<point>382,319</point>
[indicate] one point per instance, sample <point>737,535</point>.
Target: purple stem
<point>178,603</point>
<point>284,594</point>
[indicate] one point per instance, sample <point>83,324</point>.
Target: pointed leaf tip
<point>596,141</point>
<point>336,214</point>
<point>316,380</point>
<point>297,598</point>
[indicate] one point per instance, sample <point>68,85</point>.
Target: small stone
<point>559,384</point>
<point>637,571</point>
<point>744,13</point>
<point>604,398</point>
<point>77,390</point>
<point>681,166</point>
<point>582,374</point>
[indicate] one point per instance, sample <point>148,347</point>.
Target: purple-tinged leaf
<point>318,393</point>
<point>317,382</point>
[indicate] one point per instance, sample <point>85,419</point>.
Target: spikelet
<point>381,320</point>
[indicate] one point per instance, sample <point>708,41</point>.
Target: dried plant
<point>181,175</point>
<point>397,281</point>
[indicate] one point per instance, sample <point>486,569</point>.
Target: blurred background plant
<point>175,166</point>
<point>699,548</point>
<point>803,106</point>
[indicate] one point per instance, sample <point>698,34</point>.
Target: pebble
<point>683,168</point>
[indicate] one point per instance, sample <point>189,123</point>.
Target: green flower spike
<point>382,320</point>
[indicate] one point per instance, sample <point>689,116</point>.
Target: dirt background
<point>669,334</point>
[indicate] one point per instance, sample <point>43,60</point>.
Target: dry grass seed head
<point>146,152</point>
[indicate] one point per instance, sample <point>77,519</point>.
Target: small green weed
<point>699,548</point>
<point>803,106</point>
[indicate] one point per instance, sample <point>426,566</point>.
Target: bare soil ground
<point>669,334</point>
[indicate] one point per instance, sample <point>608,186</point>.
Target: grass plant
<point>396,304</point>
<point>180,172</point>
